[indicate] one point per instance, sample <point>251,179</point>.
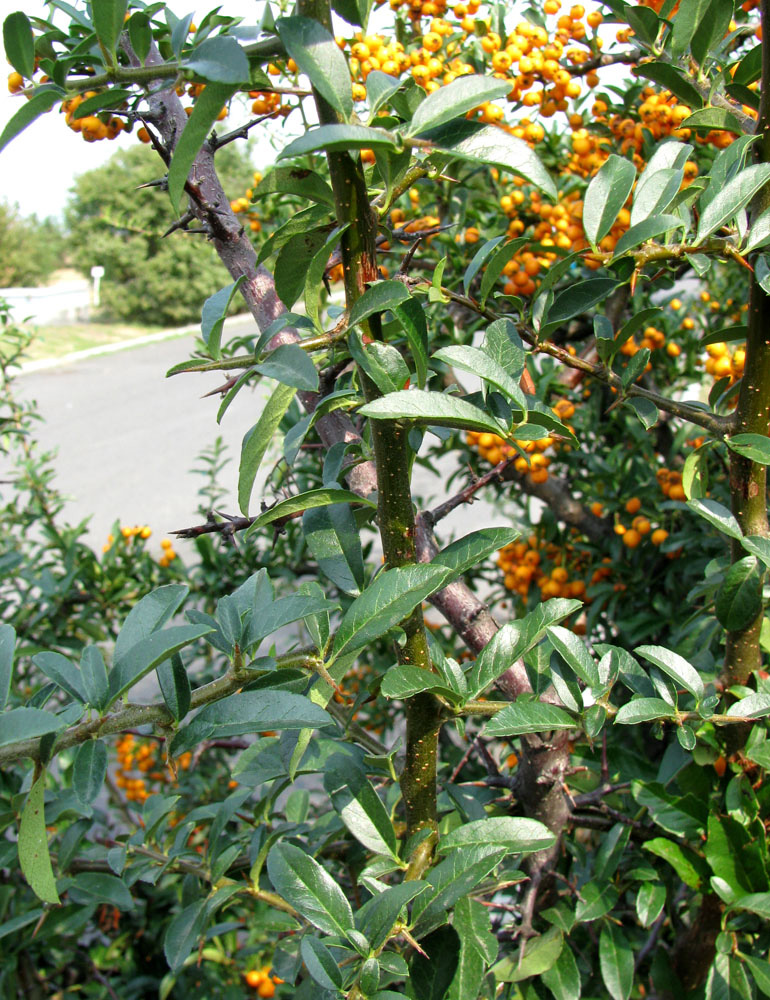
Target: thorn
<point>161,182</point>
<point>221,389</point>
<point>181,223</point>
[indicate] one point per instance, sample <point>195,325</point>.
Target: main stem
<point>748,480</point>
<point>392,459</point>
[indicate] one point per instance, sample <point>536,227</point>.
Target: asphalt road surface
<point>127,440</point>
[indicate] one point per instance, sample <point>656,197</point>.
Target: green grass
<point>56,341</point>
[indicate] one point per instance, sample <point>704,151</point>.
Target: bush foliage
<point>551,232</point>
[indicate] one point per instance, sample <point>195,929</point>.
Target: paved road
<point>127,439</point>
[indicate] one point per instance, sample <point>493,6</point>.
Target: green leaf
<point>752,446</point>
<point>529,717</point>
<point>140,35</point>
<point>318,56</point>
<point>295,180</point>
<point>563,978</point>
<point>672,79</point>
<point>734,196</point>
<point>685,24</point>
<point>728,844</point>
<point>437,408</point>
<point>451,102</point>
<point>577,299</point>
<point>26,724</point>
<point>393,595</point>
<point>175,686</point>
<point>89,770</point>
<point>713,27</point>
<point>292,266</point>
<point>146,654</point>
<point>648,229</point>
<point>478,362</point>
<point>108,17</point>
<point>575,654</point>
<point>150,614</point>
<point>467,140</point>
<point>320,963</point>
<point>62,672</point>
<point>321,497</point>
<point>516,834</point>
<point>106,99</point>
<point>34,859</point>
<point>753,706</point>
<point>309,888</point>
<point>471,550</point>
<point>596,900</point>
<point>290,365</point>
<point>433,967</point>
<point>754,902</point>
<point>616,961</point>
<point>727,980</point>
<point>361,810</point>
<point>739,599</point>
<point>644,21</point>
<point>7,648</point>
<point>644,710</point>
<point>405,680</point>
<point>209,103</point>
<point>675,666</point>
<point>377,916</point>
<point>485,250</point>
<point>515,639</point>
<point>19,43</point>
<point>695,474</point>
<point>718,515</point>
<point>257,711</point>
<point>495,266</point>
<point>683,815</point>
<point>451,880</point>
<point>336,138</point>
<point>42,101</point>
<point>760,971</point>
<point>713,119</point>
<point>478,947</point>
<point>650,900</point>
<point>256,442</point>
<point>381,362</point>
<point>606,195</point>
<point>380,87</point>
<point>535,956</point>
<point>219,59</point>
<point>183,933</point>
<point>332,537</point>
<point>314,278</point>
<point>214,313</point>
<point>411,316</point>
<point>378,297</point>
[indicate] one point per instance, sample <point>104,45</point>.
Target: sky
<point>39,167</point>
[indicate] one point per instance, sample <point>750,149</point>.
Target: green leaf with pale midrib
<point>391,598</point>
<point>317,55</point>
<point>427,407</point>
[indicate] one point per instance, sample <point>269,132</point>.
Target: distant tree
<point>30,250</point>
<point>118,224</point>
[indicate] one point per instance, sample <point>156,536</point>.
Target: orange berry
<point>631,538</point>
<point>659,536</point>
<point>633,505</point>
<point>720,765</point>
<point>255,978</point>
<point>266,988</point>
